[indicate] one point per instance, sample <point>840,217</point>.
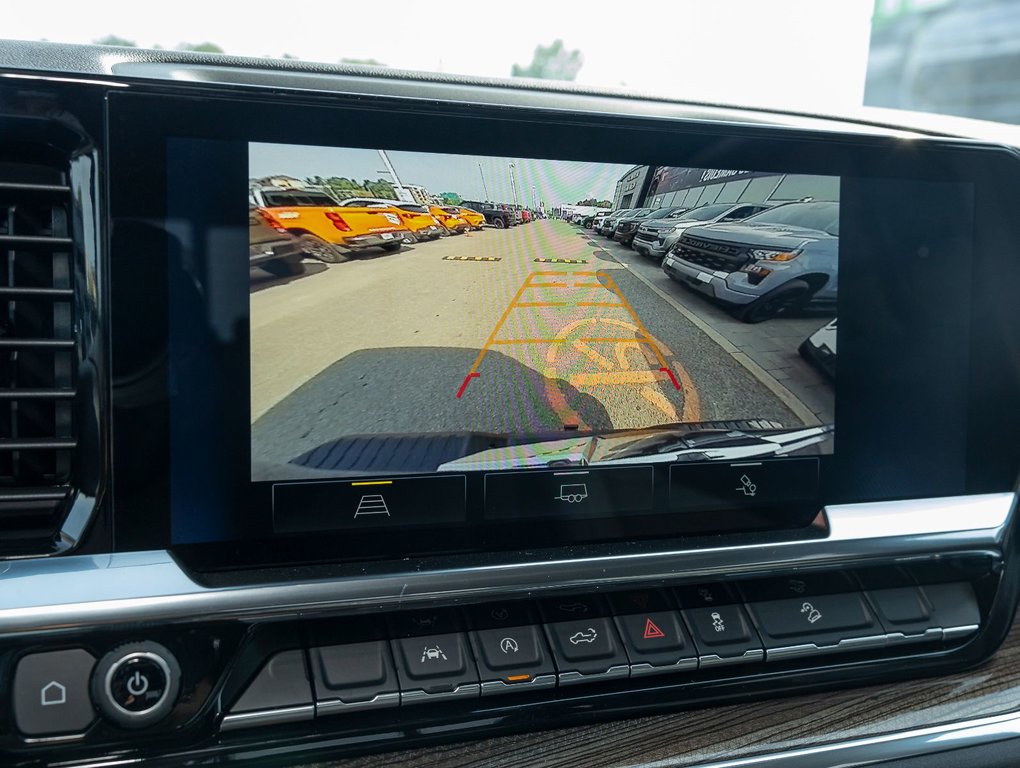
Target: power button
<point>136,685</point>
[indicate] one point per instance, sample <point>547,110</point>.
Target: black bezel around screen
<point>952,362</point>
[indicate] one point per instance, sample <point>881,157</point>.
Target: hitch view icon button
<point>576,493</point>
<point>709,486</point>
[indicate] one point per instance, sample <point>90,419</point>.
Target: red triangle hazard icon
<point>652,631</point>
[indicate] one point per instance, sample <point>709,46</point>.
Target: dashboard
<point>497,408</point>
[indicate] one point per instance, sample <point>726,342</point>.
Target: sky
<point>554,182</point>
<point>807,55</point>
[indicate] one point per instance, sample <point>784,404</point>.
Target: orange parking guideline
<point>612,287</point>
<point>637,321</point>
<point>616,377</point>
<point>498,342</point>
<point>615,340</point>
<point>499,324</point>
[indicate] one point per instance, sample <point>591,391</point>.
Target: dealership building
<point>669,187</point>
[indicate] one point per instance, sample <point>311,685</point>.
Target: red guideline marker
<point>665,371</point>
<point>467,380</point>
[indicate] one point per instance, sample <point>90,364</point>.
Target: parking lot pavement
<point>531,330</point>
<point>767,349</point>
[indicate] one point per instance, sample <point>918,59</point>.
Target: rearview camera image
<point>415,313</point>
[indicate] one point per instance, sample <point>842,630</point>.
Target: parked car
<point>422,224</point>
<point>656,238</point>
<point>597,219</point>
<point>609,222</point>
<point>495,215</point>
<point>453,223</point>
<point>474,219</point>
<point>271,246</point>
<point>774,262</point>
<point>327,229</point>
<point>631,215</point>
<point>820,349</point>
<point>629,227</point>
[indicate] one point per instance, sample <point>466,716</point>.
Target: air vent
<point>38,350</point>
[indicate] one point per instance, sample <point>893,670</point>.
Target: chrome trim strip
<point>811,649</point>
<point>268,717</point>
<point>54,740</point>
<point>66,593</point>
<point>572,677</point>
<point>876,749</point>
<point>955,633</point>
<point>644,668</point>
<point>328,707</point>
<point>417,696</point>
<point>715,660</point>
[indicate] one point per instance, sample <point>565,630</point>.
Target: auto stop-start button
<point>136,685</point>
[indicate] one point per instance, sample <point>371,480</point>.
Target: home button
<point>51,693</point>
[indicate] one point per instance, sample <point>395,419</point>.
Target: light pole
<point>402,192</point>
<point>485,189</point>
<point>513,186</point>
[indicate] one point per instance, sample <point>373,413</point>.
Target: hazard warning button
<point>656,641</point>
<point>652,632</point>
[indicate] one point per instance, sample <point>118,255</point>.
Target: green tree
<point>451,198</point>
<point>115,40</point>
<point>381,188</point>
<point>551,62</point>
<point>200,47</point>
<point>362,62</point>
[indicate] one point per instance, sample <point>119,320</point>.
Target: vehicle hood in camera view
<point>660,445</point>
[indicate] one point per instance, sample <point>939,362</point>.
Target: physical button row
<point>506,647</point>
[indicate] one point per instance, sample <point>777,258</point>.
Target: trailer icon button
<point>583,492</point>
<point>573,494</point>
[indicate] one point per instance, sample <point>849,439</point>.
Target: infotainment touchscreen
<point>440,340</point>
<point>435,314</point>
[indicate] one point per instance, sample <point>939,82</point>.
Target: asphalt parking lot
<point>541,328</point>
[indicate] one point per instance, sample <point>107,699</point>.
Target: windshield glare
<point>938,56</point>
<point>821,216</point>
<point>704,213</point>
<point>666,213</point>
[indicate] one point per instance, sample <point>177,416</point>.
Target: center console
<point>354,464</point>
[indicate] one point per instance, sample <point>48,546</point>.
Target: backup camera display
<point>415,313</point>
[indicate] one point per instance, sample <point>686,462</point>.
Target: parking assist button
<point>431,666</point>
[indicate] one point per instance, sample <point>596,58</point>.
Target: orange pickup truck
<point>326,229</point>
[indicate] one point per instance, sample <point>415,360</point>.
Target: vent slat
<point>18,495</point>
<point>35,242</point>
<point>37,343</point>
<point>36,394</point>
<point>32,292</point>
<point>38,443</point>
<point>20,191</point>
